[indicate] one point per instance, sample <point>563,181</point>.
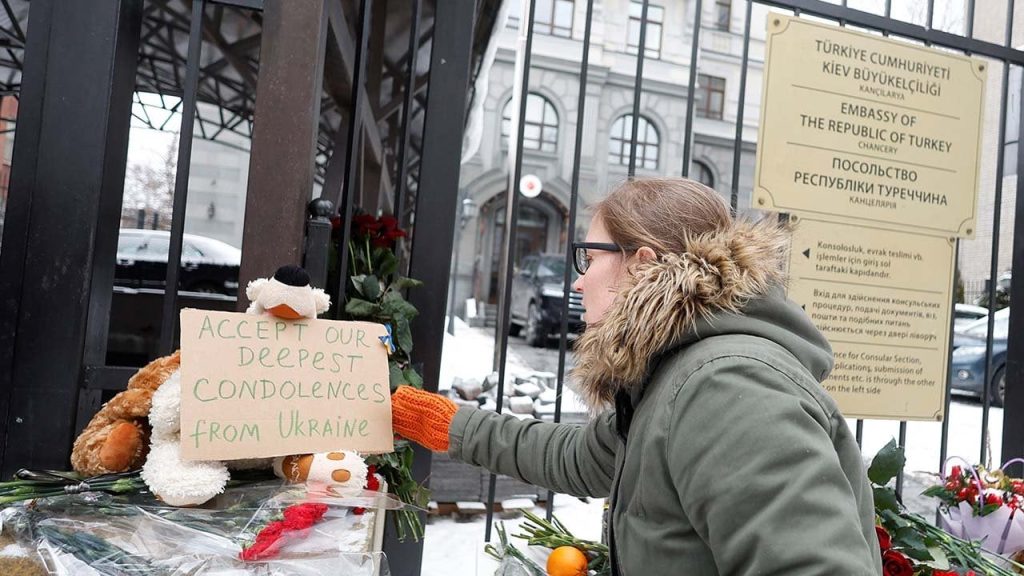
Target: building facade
<point>551,115</point>
<point>975,255</point>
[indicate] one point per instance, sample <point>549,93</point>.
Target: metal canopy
<point>230,66</point>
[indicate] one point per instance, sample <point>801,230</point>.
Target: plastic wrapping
<point>100,534</point>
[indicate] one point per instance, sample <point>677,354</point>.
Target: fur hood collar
<point>660,302</point>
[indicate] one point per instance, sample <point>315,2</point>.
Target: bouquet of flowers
<point>374,293</point>
<point>982,505</point>
<point>910,545</point>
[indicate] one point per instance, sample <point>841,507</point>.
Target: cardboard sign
<point>260,386</point>
<point>869,130</point>
<point>882,298</point>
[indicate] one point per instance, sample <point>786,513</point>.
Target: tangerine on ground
<point>567,561</point>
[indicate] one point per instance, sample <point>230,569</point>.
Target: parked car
<point>966,314</point>
<point>967,372</point>
<point>538,298</point>
<point>1002,292</point>
<point>207,265</point>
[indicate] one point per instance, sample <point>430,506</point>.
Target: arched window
<point>647,142</point>
<point>541,129</point>
<point>702,173</point>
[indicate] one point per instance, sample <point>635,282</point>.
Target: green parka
<point>721,454</point>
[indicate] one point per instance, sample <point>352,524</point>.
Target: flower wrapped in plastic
<point>261,528</point>
<point>983,506</point>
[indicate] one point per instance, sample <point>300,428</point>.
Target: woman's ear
<point>646,254</point>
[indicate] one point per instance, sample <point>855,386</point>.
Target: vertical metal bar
<point>944,441</point>
<point>997,212</point>
<point>903,444</point>
<point>318,241</point>
<point>349,195</point>
<point>570,235</point>
<point>930,13</point>
<point>860,433</point>
<point>641,52</point>
<point>455,265</point>
<point>1013,404</point>
<point>694,54</point>
<point>57,263</point>
<point>284,136</point>
<point>737,150</point>
<point>406,122</point>
<point>508,250</point>
<point>438,187</point>
<point>169,320</point>
<point>970,19</point>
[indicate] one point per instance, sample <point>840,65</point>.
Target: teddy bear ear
<point>252,291</point>
<point>323,300</point>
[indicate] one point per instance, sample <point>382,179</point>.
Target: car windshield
<point>979,329</point>
<point>551,267</point>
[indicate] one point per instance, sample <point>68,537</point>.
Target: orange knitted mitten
<point>423,417</point>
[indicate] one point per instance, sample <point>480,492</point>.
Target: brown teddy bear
<point>139,427</point>
<point>117,437</point>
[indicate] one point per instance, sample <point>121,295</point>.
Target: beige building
<point>552,111</point>
<point>975,255</point>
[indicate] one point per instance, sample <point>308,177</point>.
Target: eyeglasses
<point>580,259</point>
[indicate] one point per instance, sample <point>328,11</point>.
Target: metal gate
<point>337,102</point>
<point>879,21</point>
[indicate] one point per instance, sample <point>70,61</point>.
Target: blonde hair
<point>662,213</point>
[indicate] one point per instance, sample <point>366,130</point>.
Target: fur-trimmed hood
<point>728,281</point>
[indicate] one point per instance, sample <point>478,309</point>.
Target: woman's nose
<point>578,284</point>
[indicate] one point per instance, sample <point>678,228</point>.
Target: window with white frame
<point>554,17</point>
<point>723,14</point>
<point>652,40</point>
<point>540,131</point>
<point>701,172</point>
<point>710,96</point>
<point>647,142</point>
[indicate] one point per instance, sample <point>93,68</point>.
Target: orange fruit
<point>567,561</point>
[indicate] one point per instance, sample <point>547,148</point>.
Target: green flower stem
<point>369,259</point>
<point>354,262</point>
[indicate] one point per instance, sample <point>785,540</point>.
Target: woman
<point>718,449</point>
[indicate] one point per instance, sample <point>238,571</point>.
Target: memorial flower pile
<point>912,546</point>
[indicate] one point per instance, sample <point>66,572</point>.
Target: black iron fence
<point>840,14</point>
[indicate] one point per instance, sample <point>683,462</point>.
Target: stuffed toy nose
<point>285,311</point>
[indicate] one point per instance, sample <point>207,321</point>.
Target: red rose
<point>944,573</point>
<point>365,224</point>
<point>389,222</point>
<point>302,516</point>
<point>955,472</point>
<point>896,564</point>
<point>884,540</point>
<point>991,498</point>
<point>371,484</point>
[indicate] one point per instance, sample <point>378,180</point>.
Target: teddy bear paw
<point>339,472</point>
<point>182,482</point>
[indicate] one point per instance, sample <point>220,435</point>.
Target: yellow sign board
<point>259,386</point>
<point>882,298</point>
<point>868,130</point>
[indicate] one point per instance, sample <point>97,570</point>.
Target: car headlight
<point>552,293</point>
<point>968,352</point>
